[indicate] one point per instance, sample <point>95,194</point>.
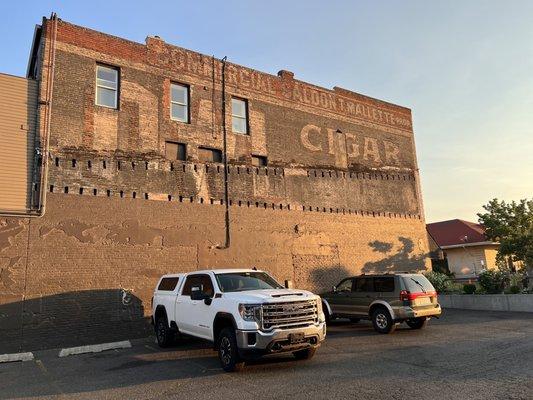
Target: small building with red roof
<point>464,245</point>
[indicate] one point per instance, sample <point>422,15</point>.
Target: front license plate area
<point>296,338</point>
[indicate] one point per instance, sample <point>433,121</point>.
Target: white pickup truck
<point>244,312</point>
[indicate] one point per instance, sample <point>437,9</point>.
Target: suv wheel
<point>227,351</point>
<point>417,323</point>
<point>163,333</point>
<point>382,320</point>
<point>305,354</point>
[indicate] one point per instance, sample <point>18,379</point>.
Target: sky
<point>465,68</point>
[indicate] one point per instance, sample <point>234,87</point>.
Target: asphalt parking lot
<point>464,355</point>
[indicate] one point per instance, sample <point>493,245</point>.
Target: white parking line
<point>16,357</point>
<point>94,348</point>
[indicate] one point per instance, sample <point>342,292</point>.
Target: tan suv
<point>387,300</point>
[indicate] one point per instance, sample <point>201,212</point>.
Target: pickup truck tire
<point>417,323</point>
<point>228,354</point>
<point>382,321</point>
<point>305,354</point>
<point>163,333</point>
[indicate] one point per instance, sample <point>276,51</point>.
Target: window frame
<point>246,115</point>
<point>116,90</point>
<point>187,105</point>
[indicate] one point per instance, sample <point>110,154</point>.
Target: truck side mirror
<point>334,288</point>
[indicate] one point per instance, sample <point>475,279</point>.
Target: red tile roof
<point>456,232</point>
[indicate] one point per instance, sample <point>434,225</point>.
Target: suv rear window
<point>168,284</point>
<point>417,283</point>
<point>384,284</point>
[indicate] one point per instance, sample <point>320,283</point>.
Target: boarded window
<point>206,154</point>
<point>175,151</point>
<point>168,284</point>
<point>239,115</point>
<point>259,161</point>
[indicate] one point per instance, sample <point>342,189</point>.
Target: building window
<point>179,102</point>
<point>175,151</point>
<point>259,161</point>
<point>106,86</point>
<point>239,115</point>
<point>206,154</point>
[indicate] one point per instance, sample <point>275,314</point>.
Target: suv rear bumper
<point>408,312</point>
<point>257,342</point>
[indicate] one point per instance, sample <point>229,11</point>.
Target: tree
<point>510,224</point>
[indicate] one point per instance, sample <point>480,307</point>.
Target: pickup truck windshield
<point>241,281</point>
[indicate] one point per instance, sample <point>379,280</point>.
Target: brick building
<point>162,159</point>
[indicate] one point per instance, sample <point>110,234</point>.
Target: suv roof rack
<point>397,272</point>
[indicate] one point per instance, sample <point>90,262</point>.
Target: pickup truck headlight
<point>250,312</point>
<point>320,310</point>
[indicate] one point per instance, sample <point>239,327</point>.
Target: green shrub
<point>514,289</point>
<point>469,288</point>
<point>492,281</point>
<point>441,282</point>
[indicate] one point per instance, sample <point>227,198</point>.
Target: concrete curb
<point>4,358</point>
<point>94,348</point>
<point>488,302</point>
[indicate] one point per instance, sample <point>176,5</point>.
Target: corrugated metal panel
<point>18,119</point>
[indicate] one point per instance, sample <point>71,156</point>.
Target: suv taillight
<point>407,296</point>
<point>404,295</point>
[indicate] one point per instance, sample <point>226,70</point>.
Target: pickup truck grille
<point>290,314</point>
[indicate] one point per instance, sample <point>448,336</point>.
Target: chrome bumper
<point>281,340</point>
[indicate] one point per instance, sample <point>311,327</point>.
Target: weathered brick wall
<point>87,269</point>
<point>340,194</point>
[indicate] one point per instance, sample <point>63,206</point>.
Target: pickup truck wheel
<point>163,333</point>
<point>417,323</point>
<point>382,321</point>
<point>305,354</point>
<point>228,353</point>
